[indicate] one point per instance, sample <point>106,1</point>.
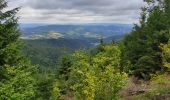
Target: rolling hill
<point>50,42</point>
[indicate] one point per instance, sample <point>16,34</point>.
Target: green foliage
<point>44,85</point>
<point>81,78</point>
<point>9,34</point>
<point>158,88</point>
<point>109,81</point>
<point>158,81</point>
<point>65,65</point>
<point>96,76</point>
<point>141,47</point>
<point>20,83</point>
<point>55,91</point>
<point>166,55</point>
<point>85,75</point>
<point>16,75</point>
<point>47,52</point>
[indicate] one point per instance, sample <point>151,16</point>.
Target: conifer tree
<point>16,72</point>
<point>9,37</point>
<point>141,47</point>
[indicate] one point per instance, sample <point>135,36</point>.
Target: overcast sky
<point>78,11</point>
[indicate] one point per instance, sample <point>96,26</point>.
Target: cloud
<point>80,11</point>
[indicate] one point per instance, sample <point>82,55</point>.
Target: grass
<point>158,88</point>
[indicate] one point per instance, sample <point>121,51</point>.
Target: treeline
<point>96,74</point>
<point>144,50</point>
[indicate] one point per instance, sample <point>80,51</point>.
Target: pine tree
<point>9,37</point>
<point>141,47</point>
<point>16,72</point>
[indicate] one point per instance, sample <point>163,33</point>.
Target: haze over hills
<point>49,42</point>
<point>74,31</point>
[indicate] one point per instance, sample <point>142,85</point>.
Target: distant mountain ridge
<point>75,31</point>
<point>49,42</point>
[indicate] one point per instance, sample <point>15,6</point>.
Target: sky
<point>78,11</point>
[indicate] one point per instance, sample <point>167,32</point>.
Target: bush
<point>96,77</point>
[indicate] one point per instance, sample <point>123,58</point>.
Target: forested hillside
<point>47,52</point>
<point>135,68</point>
<point>45,45</point>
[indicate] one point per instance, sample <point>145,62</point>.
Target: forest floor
<point>158,88</point>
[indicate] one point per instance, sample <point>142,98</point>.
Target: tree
<point>9,36</point>
<point>16,75</point>
<point>81,78</point>
<point>108,80</point>
<point>20,83</point>
<point>44,86</point>
<point>65,65</point>
<point>9,42</point>
<point>166,54</point>
<point>56,92</point>
<point>141,47</point>
<point>96,76</point>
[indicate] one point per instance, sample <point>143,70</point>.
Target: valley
<point>50,42</point>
